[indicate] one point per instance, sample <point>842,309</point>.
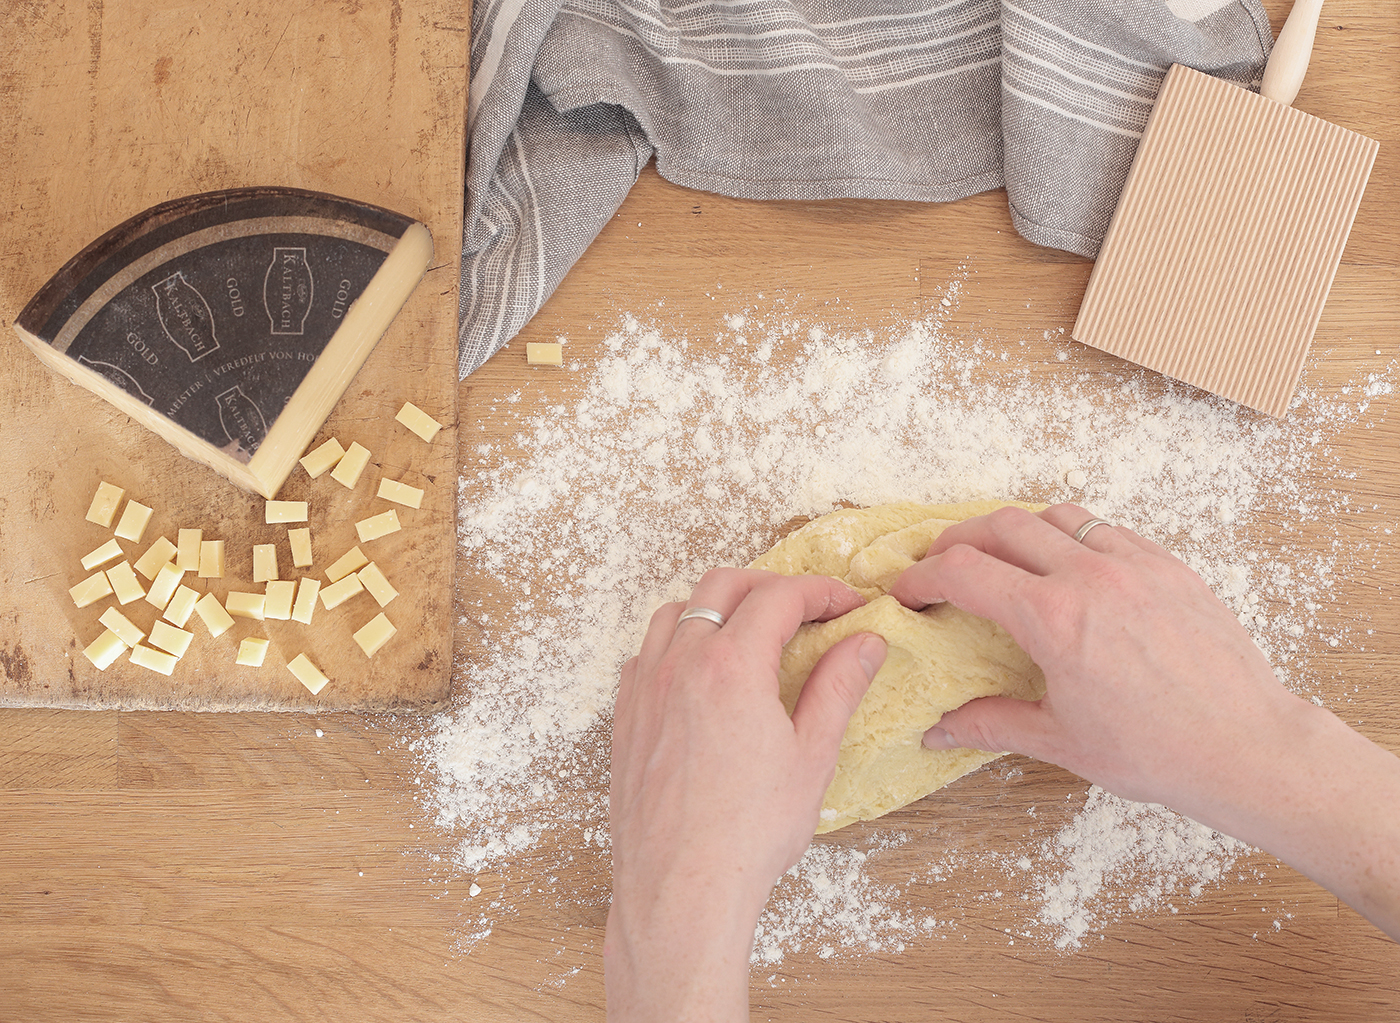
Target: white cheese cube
<point>133,521</point>
<point>252,651</point>
<point>156,660</point>
<point>124,583</point>
<point>279,596</point>
<point>165,583</point>
<point>156,555</point>
<point>187,549</point>
<point>351,561</point>
<point>307,673</point>
<point>246,605</point>
<point>170,639</point>
<point>339,592</point>
<point>378,586</point>
<point>211,559</point>
<point>123,626</point>
<point>322,458</point>
<point>264,562</point>
<point>544,353</point>
<point>93,588</point>
<point>109,551</point>
<point>418,421</point>
<point>376,526</point>
<point>105,502</point>
<point>284,511</point>
<point>347,471</point>
<point>305,607</point>
<point>375,634</point>
<point>300,542</point>
<point>105,649</point>
<point>212,613</point>
<point>400,493</point>
<point>181,606</point>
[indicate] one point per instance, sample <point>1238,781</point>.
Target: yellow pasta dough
<point>938,658</point>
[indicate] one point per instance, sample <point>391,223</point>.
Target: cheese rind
<point>109,551</point>
<point>418,421</point>
<point>105,502</point>
<point>400,493</point>
<point>156,555</point>
<point>351,465</point>
<point>133,522</point>
<point>374,634</point>
<point>379,525</point>
<point>212,613</point>
<point>307,673</point>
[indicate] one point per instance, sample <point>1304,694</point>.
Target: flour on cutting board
<point>681,452</point>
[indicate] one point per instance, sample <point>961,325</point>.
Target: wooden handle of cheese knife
<point>1288,62</point>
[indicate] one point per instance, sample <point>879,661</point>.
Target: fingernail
<point>937,738</point>
<point>871,655</point>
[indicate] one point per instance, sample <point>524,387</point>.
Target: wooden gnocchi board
<point>111,110</point>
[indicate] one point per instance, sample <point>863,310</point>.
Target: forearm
<point>1326,801</point>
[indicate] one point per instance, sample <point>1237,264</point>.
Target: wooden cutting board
<point>117,108</point>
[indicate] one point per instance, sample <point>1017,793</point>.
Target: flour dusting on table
<point>681,452</point>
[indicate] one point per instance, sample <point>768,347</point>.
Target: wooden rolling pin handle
<point>1289,61</point>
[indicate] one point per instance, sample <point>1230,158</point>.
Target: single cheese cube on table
<point>170,639</point>
<point>307,673</point>
<point>123,626</point>
<point>544,353</point>
<point>284,511</point>
<point>211,559</point>
<point>187,549</point>
<point>279,596</point>
<point>246,605</point>
<point>156,660</point>
<point>418,421</point>
<point>305,607</point>
<point>133,521</point>
<point>339,592</point>
<point>181,606</point>
<point>351,465</point>
<point>252,651</point>
<point>322,458</point>
<point>300,542</point>
<point>105,502</point>
<point>264,562</point>
<point>400,493</point>
<point>93,588</point>
<point>165,583</point>
<point>158,554</point>
<point>105,649</point>
<point>376,526</point>
<point>351,561</point>
<point>375,634</point>
<point>124,583</point>
<point>377,585</point>
<point>212,613</point>
<point>109,551</point>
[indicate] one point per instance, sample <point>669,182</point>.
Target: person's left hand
<point>715,790</point>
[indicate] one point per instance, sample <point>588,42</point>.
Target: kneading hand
<point>715,791</point>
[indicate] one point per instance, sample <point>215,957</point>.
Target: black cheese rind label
<point>211,310</point>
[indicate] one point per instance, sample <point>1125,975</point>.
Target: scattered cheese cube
<point>300,542</point>
<point>264,562</point>
<point>187,549</point>
<point>339,592</point>
<point>94,587</point>
<point>211,559</point>
<point>104,504</point>
<point>246,605</point>
<point>156,555</point>
<point>252,651</point>
<point>124,583</point>
<point>215,618</point>
<point>322,458</point>
<point>307,673</point>
<point>347,471</point>
<point>351,561</point>
<point>418,421</point>
<point>163,586</point>
<point>280,594</point>
<point>376,526</point>
<point>181,606</point>
<point>123,626</point>
<point>133,522</point>
<point>400,493</point>
<point>373,579</point>
<point>156,660</point>
<point>109,551</point>
<point>284,511</point>
<point>544,353</point>
<point>375,634</point>
<point>105,649</point>
<point>305,607</point>
<point>170,639</point>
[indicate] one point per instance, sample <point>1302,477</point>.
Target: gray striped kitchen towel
<point>808,99</point>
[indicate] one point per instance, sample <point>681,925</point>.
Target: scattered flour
<point>678,453</point>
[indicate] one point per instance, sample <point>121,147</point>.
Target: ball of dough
<point>938,658</point>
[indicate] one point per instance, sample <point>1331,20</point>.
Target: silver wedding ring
<point>701,612</point>
<point>1083,530</point>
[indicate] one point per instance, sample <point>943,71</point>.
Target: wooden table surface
<point>163,866</point>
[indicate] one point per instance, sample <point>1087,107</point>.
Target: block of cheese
<point>340,591</point>
<point>104,503</point>
<point>187,549</point>
<point>378,586</point>
<point>124,627</point>
<point>211,559</point>
<point>284,511</point>
<point>109,551</point>
<point>230,322</point>
<point>418,421</point>
<point>322,458</point>
<point>375,634</point>
<point>156,660</point>
<point>351,561</point>
<point>181,606</point>
<point>133,521</point>
<point>124,583</point>
<point>251,651</point>
<point>400,493</point>
<point>242,604</point>
<point>307,673</point>
<point>300,542</point>
<point>212,613</point>
<point>165,583</point>
<point>347,471</point>
<point>544,353</point>
<point>304,609</point>
<point>264,562</point>
<point>170,639</point>
<point>157,555</point>
<point>376,526</point>
<point>105,649</point>
<point>278,599</point>
<point>93,588</point>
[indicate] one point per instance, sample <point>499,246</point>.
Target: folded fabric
<point>808,99</point>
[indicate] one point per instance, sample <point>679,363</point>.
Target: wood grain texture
<point>107,111</point>
<point>161,866</point>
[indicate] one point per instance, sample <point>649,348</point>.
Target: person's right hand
<point>1157,693</point>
